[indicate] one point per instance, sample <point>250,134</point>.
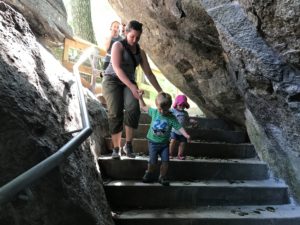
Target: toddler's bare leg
<point>172,147</point>
<point>181,148</point>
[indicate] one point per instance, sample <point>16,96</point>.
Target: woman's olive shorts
<point>121,104</point>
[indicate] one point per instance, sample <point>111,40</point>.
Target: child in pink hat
<point>182,116</point>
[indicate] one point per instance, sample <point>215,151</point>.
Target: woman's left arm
<point>148,72</point>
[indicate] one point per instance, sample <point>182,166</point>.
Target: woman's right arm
<point>116,60</point>
<point>148,72</point>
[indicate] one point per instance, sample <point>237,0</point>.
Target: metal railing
<point>12,188</point>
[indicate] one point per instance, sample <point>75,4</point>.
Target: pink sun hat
<point>181,100</point>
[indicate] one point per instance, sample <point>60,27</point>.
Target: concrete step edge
<point>204,129</point>
<point>203,183</point>
<point>216,212</point>
<point>195,142</point>
<point>194,160</point>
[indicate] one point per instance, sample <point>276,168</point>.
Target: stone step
<point>202,134</point>
<point>200,149</point>
<point>204,123</point>
<point>197,169</point>
<point>125,194</point>
<point>213,215</point>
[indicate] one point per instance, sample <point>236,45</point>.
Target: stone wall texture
<point>38,108</point>
<point>238,60</point>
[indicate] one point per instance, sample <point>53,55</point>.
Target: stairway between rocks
<point>222,181</point>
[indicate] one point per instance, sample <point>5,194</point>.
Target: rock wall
<point>47,19</point>
<point>38,107</point>
<point>238,60</point>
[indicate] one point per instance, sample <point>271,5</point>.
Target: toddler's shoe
<point>128,151</point>
<point>181,157</point>
<point>171,157</point>
<point>148,177</point>
<point>163,181</point>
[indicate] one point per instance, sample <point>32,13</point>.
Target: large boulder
<point>47,19</point>
<point>238,60</point>
<point>38,110</point>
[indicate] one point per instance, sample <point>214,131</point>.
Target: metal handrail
<point>9,190</point>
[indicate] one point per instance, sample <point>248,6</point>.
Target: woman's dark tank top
<point>128,64</point>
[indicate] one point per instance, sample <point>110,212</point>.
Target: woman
<point>109,40</point>
<point>120,89</point>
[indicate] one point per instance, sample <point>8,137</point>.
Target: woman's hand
<point>135,91</point>
<point>141,93</point>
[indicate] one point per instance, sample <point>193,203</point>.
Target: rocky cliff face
<point>38,107</point>
<point>47,19</point>
<point>238,60</point>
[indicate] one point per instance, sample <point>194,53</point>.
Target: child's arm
<point>185,134</point>
<point>192,121</point>
<point>143,105</point>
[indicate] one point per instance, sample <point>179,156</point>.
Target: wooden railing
<point>91,69</point>
<point>73,50</point>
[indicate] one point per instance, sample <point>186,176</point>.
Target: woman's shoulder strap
<point>124,43</point>
<point>126,47</point>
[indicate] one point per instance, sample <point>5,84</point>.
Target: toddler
<point>162,121</point>
<point>182,116</point>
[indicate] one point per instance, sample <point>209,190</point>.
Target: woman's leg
<point>116,139</point>
<point>129,133</point>
<point>113,94</point>
<point>132,112</point>
<point>131,119</point>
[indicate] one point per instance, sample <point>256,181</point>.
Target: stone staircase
<point>222,181</point>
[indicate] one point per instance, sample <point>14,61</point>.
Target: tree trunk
<point>81,20</point>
